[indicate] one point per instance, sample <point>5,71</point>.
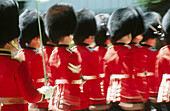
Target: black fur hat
<point>86,25</point>
<point>166,26</point>
<point>122,22</point>
<point>28,23</point>
<point>45,39</point>
<point>60,21</point>
<point>151,20</point>
<point>139,23</point>
<point>101,34</point>
<point>9,20</point>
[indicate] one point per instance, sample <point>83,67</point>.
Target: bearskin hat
<point>45,39</point>
<point>151,20</point>
<point>86,25</point>
<point>9,21</point>
<point>60,21</point>
<point>166,26</point>
<point>28,23</point>
<point>101,34</point>
<point>122,22</point>
<point>139,23</point>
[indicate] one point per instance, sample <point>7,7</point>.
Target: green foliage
<point>145,3</point>
<point>149,1</point>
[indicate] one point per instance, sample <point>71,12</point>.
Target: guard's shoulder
<point>20,60</point>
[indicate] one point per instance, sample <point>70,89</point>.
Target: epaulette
<point>90,48</point>
<point>69,50</point>
<point>20,60</point>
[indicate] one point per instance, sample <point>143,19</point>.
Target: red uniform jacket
<point>47,50</point>
<point>118,70</point>
<point>15,83</point>
<point>65,72</point>
<point>139,69</point>
<point>101,51</point>
<point>35,64</point>
<point>34,61</point>
<point>163,67</point>
<point>163,63</point>
<point>90,72</point>
<point>148,61</point>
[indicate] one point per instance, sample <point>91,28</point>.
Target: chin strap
<point>39,25</point>
<point>159,32</point>
<point>104,24</point>
<point>14,44</point>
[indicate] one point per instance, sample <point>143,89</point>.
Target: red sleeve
<point>161,67</point>
<point>107,78</point>
<point>25,85</point>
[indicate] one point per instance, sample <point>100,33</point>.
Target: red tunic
<point>139,60</point>
<point>90,72</point>
<point>162,63</point>
<point>119,71</point>
<point>35,64</point>
<point>65,72</point>
<point>15,82</point>
<point>148,64</point>
<point>101,51</point>
<point>47,50</point>
<point>144,59</point>
<point>162,67</point>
